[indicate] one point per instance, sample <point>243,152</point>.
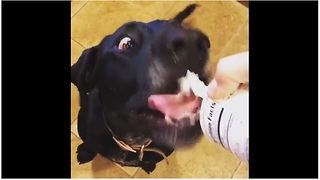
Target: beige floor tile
<point>129,170</point>
<point>74,102</point>
<point>159,9</point>
<point>98,19</point>
<point>242,171</point>
<point>76,51</point>
<point>174,9</point>
<point>205,160</point>
<point>74,128</point>
<point>98,168</point>
<point>76,6</point>
<point>238,43</point>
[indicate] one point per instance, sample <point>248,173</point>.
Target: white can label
<point>226,123</point>
<point>210,116</point>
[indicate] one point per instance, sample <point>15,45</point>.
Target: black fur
<point>184,14</point>
<point>114,87</point>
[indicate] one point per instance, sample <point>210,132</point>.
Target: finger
<point>235,67</point>
<point>222,89</point>
<point>231,72</point>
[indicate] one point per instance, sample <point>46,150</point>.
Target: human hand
<point>230,73</point>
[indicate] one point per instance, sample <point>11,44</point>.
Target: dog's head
<point>139,65</point>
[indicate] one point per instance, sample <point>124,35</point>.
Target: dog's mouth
<point>175,107</point>
<point>175,119</point>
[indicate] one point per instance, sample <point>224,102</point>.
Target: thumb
<point>218,89</point>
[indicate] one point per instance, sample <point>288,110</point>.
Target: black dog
<point>116,79</point>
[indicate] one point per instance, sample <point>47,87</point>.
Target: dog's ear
<point>185,13</point>
<point>82,70</point>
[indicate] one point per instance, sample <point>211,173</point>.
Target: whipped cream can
<point>226,123</point>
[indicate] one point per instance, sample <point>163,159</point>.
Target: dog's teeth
<point>168,120</point>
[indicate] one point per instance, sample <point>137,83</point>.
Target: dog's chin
<point>182,133</point>
<point>159,120</point>
<point>178,133</point>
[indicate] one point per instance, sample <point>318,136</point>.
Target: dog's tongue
<point>174,106</point>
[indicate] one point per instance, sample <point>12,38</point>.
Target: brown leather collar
<point>136,148</point>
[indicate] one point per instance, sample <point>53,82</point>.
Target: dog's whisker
<point>175,58</point>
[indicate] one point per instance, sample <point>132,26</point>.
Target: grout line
<point>79,9</point>
<point>233,36</point>
<point>73,121</point>
<point>151,14</point>
<point>237,32</point>
<point>236,169</point>
<point>135,173</point>
<point>78,43</point>
<point>75,135</point>
<point>124,171</point>
<point>119,166</point>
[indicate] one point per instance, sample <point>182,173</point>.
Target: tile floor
<point>226,24</point>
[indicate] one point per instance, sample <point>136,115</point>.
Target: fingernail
<point>213,88</point>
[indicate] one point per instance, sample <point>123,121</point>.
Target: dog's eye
<point>125,44</point>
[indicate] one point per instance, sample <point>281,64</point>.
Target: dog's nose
<point>179,40</point>
<point>203,40</point>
